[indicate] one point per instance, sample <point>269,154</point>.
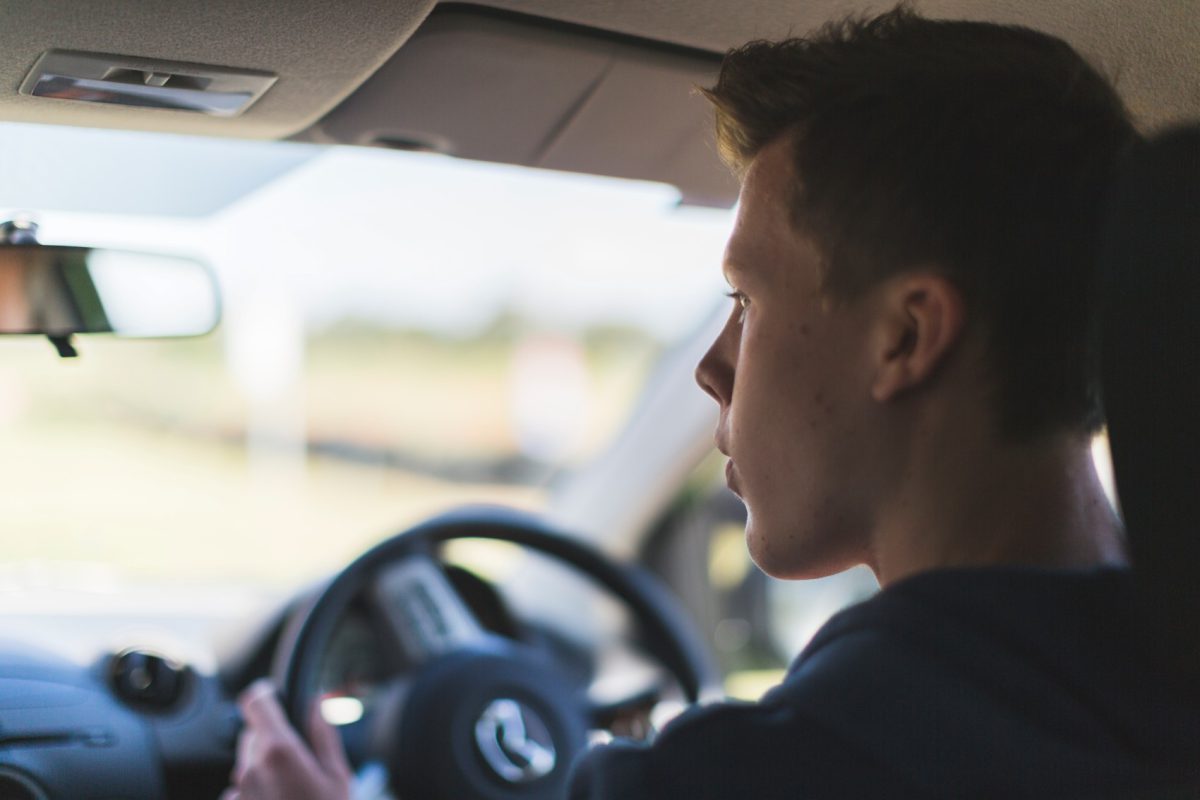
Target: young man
<point>907,380</point>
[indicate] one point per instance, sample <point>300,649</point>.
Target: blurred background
<point>402,333</point>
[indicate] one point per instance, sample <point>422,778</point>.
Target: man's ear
<point>921,320</point>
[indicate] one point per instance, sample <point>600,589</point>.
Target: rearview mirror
<point>60,291</point>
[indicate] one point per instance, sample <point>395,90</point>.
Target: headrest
<point>1150,367</point>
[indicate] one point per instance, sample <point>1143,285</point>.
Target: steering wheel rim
<point>672,641</point>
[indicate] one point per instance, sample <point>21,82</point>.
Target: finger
<point>326,743</point>
<point>246,747</point>
<point>261,709</point>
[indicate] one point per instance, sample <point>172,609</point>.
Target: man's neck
<point>1038,505</point>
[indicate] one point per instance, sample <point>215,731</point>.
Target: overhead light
<point>145,83</point>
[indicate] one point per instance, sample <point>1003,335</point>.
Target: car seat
<point>1150,368</point>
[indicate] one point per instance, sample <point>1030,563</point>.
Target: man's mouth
<point>731,478</point>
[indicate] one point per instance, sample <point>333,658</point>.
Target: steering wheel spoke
<point>423,612</point>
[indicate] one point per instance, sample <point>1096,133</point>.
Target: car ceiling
<point>1152,45</point>
<point>605,90</point>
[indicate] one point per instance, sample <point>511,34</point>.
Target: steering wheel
<point>482,715</point>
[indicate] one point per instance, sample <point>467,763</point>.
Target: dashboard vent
<point>148,680</point>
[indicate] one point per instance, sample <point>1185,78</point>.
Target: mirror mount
<point>21,231</point>
<point>64,346</point>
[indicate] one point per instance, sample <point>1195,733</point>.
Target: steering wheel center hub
<point>490,723</point>
<point>514,741</point>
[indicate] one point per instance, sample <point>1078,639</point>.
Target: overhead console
<point>482,84</point>
<point>261,70</point>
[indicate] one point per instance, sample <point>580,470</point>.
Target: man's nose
<point>715,375</point>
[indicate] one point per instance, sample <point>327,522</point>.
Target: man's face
<point>791,373</point>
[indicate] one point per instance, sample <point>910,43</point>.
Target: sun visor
<point>486,85</point>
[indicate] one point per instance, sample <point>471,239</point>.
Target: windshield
<point>402,333</point>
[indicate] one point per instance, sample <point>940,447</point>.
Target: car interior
<point>353,347</point>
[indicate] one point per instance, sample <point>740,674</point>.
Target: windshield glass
<point>402,333</point>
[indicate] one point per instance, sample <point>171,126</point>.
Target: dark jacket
<point>973,683</point>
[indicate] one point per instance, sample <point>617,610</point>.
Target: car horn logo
<point>515,742</point>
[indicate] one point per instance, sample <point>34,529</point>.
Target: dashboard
<point>137,724</point>
<point>107,729</point>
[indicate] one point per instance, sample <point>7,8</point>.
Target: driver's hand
<point>274,763</point>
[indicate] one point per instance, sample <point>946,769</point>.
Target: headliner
<point>1151,46</point>
<point>323,51</point>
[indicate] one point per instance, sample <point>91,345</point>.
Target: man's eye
<point>741,300</point>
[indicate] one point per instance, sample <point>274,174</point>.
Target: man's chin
<point>788,556</point>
